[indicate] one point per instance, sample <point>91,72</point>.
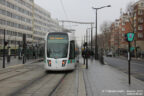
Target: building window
<point>140,35</point>
<point>127,20</point>
<point>140,20</point>
<point>135,14</point>
<point>123,23</point>
<point>142,4</point>
<point>31,0</point>
<point>2,2</point>
<point>140,12</point>
<point>123,29</point>
<point>135,29</point>
<point>140,27</point>
<point>123,34</point>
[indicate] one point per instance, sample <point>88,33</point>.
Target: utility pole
<point>118,45</point>
<point>24,48</point>
<point>84,48</point>
<point>96,46</point>
<point>4,45</point>
<point>4,50</point>
<point>91,36</point>
<point>15,47</point>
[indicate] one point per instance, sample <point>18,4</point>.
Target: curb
<point>20,65</point>
<point>126,74</point>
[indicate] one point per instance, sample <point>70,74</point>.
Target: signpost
<point>132,48</point>
<point>129,38</point>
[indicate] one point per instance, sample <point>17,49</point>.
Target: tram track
<point>39,84</point>
<point>57,85</point>
<point>17,92</point>
<point>19,81</point>
<point>17,74</point>
<point>18,71</point>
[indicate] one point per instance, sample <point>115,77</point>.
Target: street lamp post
<point>96,46</point>
<point>91,36</point>
<point>87,35</point>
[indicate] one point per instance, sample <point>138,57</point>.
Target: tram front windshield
<point>57,46</point>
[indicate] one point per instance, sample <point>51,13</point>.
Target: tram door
<point>72,52</point>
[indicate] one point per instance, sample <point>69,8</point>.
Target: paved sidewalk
<point>103,80</point>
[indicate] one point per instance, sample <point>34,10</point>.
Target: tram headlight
<point>49,62</point>
<point>63,63</point>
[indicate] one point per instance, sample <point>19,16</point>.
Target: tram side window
<point>72,50</point>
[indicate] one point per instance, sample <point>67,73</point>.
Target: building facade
<point>115,35</point>
<point>129,22</point>
<point>139,25</point>
<point>20,17</point>
<point>125,27</point>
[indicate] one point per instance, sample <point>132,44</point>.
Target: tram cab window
<point>57,46</point>
<point>72,50</point>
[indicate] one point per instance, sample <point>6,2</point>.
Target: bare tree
<point>130,10</point>
<point>105,35</point>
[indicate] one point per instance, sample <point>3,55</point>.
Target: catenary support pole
<point>4,50</point>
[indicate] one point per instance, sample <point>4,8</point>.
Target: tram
<point>59,51</point>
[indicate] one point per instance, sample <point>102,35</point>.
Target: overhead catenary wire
<point>63,8</point>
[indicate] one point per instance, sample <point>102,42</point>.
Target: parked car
<point>109,54</point>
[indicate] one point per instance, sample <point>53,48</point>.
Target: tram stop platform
<point>104,80</point>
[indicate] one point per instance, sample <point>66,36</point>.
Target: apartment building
<point>125,26</point>
<point>43,23</point>
<point>129,23</point>
<point>16,19</point>
<point>20,17</point>
<point>139,24</point>
<point>115,35</point>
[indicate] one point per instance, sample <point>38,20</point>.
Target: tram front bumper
<point>60,68</point>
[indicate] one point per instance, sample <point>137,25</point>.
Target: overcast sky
<point>81,10</point>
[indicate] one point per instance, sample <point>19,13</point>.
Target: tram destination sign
<point>57,37</point>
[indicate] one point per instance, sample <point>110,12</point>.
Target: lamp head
<point>109,6</point>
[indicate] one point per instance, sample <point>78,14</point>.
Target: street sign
<point>130,37</point>
<point>132,48</point>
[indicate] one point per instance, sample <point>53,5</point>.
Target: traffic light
<point>126,38</point>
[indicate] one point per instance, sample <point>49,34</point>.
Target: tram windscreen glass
<point>57,46</point>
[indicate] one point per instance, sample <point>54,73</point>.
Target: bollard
<point>101,57</point>
<point>86,63</point>
<point>8,58</point>
<point>9,53</point>
<point>86,55</point>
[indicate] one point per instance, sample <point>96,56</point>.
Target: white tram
<point>59,51</point>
